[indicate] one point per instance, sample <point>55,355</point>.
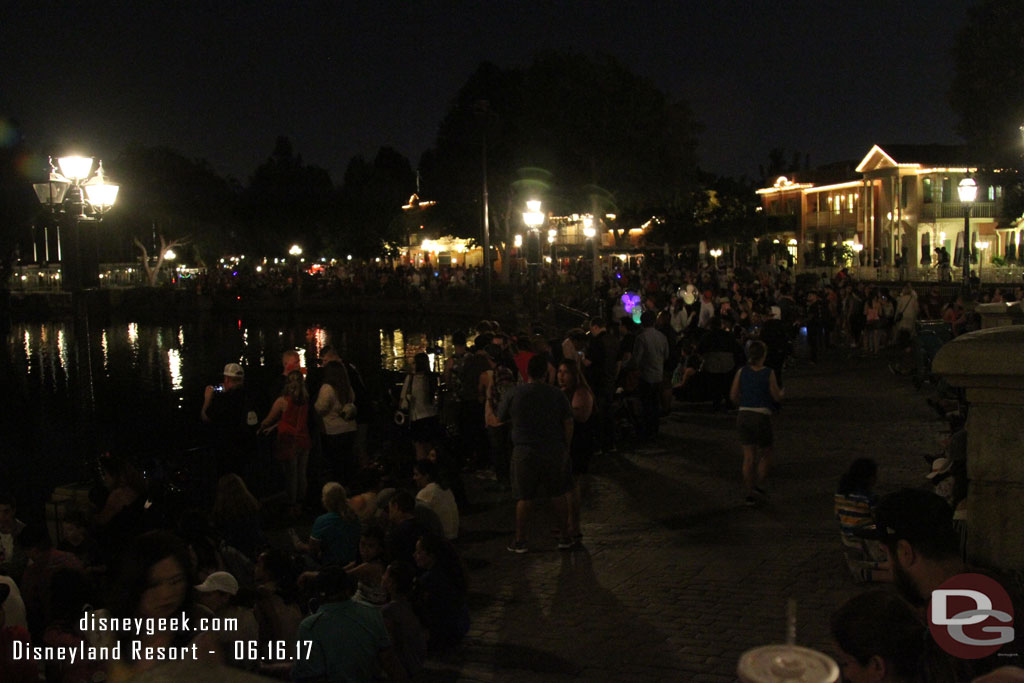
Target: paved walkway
<point>678,577</point>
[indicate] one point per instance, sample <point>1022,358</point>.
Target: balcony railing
<point>934,211</point>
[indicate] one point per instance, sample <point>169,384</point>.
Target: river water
<point>71,390</point>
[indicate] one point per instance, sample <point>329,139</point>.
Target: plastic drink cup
<point>786,664</point>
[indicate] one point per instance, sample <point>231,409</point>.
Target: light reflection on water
<point>137,387</point>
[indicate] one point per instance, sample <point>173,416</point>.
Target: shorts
<point>755,429</point>
<point>537,473</point>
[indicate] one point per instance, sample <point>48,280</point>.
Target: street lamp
<point>982,246</point>
<point>79,194</point>
<point>552,234</point>
<point>968,191</point>
<point>533,217</point>
<point>716,253</point>
<point>295,250</point>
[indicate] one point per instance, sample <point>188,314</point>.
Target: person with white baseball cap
<point>228,410</point>
<point>220,594</point>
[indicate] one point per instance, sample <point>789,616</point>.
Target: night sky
<point>221,80</point>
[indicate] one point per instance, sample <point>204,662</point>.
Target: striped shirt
<point>853,510</point>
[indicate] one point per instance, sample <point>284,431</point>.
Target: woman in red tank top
<point>290,416</point>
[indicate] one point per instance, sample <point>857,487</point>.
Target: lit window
<point>926,187</point>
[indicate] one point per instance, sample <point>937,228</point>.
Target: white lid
<point>786,664</point>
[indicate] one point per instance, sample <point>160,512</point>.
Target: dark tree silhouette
<point>18,204</point>
<point>370,203</point>
<point>583,132</point>
<point>287,201</point>
<point>167,200</point>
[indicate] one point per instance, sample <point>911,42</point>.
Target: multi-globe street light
<point>79,194</point>
<point>968,192</point>
<point>715,253</point>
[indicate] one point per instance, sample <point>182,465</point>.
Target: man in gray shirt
<point>541,432</point>
<point>650,351</point>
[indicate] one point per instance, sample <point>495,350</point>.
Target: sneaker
<point>750,501</point>
<point>517,547</point>
<point>567,543</point>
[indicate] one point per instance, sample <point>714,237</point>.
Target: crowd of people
<point>376,584</point>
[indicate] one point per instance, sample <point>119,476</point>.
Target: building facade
<point>900,201</point>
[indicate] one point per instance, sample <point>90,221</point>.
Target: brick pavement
<point>678,577</point>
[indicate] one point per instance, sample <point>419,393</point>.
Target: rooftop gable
<point>891,156</point>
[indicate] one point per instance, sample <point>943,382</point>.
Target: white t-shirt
<point>14,606</point>
<point>329,407</point>
<point>442,502</point>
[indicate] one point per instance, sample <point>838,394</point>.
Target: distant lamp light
<point>518,241</point>
<point>170,255</point>
<point>552,234</point>
<point>967,190</point>
<point>75,168</point>
<point>259,269</point>
<point>775,242</point>
<point>533,217</point>
<point>858,247</point>
<point>981,245</point>
<point>295,250</point>
<point>792,242</point>
<point>349,258</point>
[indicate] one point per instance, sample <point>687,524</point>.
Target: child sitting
<point>854,501</point>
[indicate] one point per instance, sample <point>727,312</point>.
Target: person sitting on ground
<point>437,497</point>
<point>219,593</point>
<point>439,597</point>
<point>756,392</point>
<point>334,538</point>
<point>405,527</point>
<point>854,501</point>
<point>349,639</point>
<point>70,591</point>
<point>881,638</point>
<point>44,562</point>
<point>368,569</point>
<point>407,633</point>
<point>366,489</point>
<point>77,540</point>
<point>120,515</point>
<point>14,670</point>
<point>236,516</point>
<point>12,555</point>
<point>276,609</point>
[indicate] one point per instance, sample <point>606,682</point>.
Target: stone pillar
<point>997,315</point>
<point>989,364</point>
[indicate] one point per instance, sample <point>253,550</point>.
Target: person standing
<point>650,352</point>
<point>228,409</point>
<point>602,370</point>
<point>290,415</point>
<point>542,428</point>
<point>335,404</point>
<point>756,391</point>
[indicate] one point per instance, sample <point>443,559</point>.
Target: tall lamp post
<point>716,253</point>
<point>590,232</point>
<point>981,246</point>
<point>552,234</point>
<point>78,194</point>
<point>533,218</point>
<point>968,191</point>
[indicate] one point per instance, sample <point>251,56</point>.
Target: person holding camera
<point>229,412</point>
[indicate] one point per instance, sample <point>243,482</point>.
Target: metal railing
<point>933,211</point>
